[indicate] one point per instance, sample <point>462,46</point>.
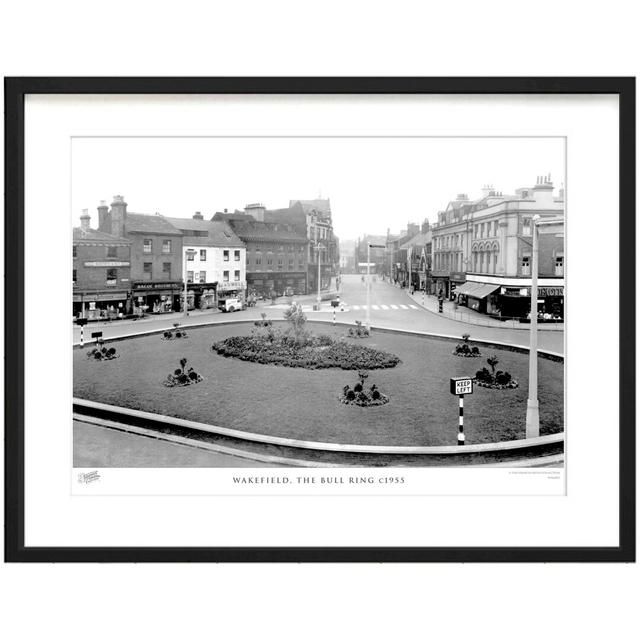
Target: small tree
<point>492,361</point>
<point>465,337</point>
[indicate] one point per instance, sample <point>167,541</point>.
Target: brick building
<point>101,272</point>
<point>276,252</point>
<point>156,255</point>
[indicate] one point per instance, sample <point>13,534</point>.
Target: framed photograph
<point>320,319</point>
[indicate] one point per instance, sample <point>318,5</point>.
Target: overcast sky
<point>373,183</point>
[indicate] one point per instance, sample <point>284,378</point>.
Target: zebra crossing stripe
<point>394,306</point>
<point>384,306</point>
<point>376,307</point>
<point>355,307</point>
<point>403,306</point>
<point>412,306</point>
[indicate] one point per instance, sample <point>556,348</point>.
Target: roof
<point>264,231</point>
<point>293,214</point>
<point>91,236</point>
<point>320,204</point>
<point>237,215</point>
<point>144,223</point>
<point>219,233</point>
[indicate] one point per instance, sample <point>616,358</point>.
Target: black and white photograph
<point>322,301</point>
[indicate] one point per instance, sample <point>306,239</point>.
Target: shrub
<point>351,394</point>
<point>484,375</point>
<point>357,388</point>
<point>375,394</point>
<point>503,377</point>
<point>181,377</point>
<point>475,351</point>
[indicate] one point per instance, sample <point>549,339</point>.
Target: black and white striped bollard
<point>461,387</point>
<point>81,322</point>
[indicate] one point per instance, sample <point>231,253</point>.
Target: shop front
<point>478,296</point>
<point>515,302</point>
<point>101,305</point>
<point>202,295</point>
<point>264,284</point>
<point>456,280</point>
<point>155,297</point>
<point>232,289</point>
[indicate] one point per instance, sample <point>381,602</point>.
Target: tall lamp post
<point>188,253</point>
<point>369,247</point>
<point>533,411</point>
<point>319,247</point>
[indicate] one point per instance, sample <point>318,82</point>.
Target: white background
<point>400,38</point>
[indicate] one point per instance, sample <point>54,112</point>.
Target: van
<point>231,304</point>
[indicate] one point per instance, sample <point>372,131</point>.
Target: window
<point>112,252</point>
<point>280,261</point>
<point>269,260</point>
<point>75,276</point>
<point>112,277</point>
<point>203,254</point>
<point>560,265</point>
<point>203,277</point>
<point>526,266</point>
<point>236,255</point>
<point>189,276</point>
<point>495,227</point>
<point>75,250</point>
<point>258,260</point>
<point>147,271</point>
<point>225,255</point>
<point>147,245</point>
<point>190,256</point>
<point>166,246</point>
<point>225,276</point>
<point>166,270</point>
<point>526,226</point>
<point>236,275</point>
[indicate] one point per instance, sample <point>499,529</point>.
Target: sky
<point>374,184</point>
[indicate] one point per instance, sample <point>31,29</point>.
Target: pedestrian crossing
<point>383,307</point>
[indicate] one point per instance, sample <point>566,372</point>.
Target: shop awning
<point>476,289</point>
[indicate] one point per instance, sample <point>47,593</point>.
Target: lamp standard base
<point>533,419</point>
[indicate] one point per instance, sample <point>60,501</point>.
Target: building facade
<point>156,255</point>
<point>482,251</point>
<point>276,252</point>
<point>215,264</point>
<point>101,273</point>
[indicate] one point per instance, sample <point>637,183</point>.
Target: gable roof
<point>144,223</point>
<point>237,215</point>
<point>93,236</point>
<point>264,231</point>
<point>418,240</point>
<point>293,214</point>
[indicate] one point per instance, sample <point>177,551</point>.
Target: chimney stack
<point>256,210</point>
<point>118,216</point>
<point>198,216</point>
<point>85,220</point>
<point>104,218</point>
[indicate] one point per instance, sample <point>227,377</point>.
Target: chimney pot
<point>85,220</point>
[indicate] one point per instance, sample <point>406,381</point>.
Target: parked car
<point>231,304</point>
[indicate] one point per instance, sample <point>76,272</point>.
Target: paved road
<point>390,307</point>
<point>100,447</point>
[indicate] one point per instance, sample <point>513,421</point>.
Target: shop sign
<point>106,264</point>
<point>232,284</point>
<point>156,285</point>
<point>550,291</point>
<point>99,297</point>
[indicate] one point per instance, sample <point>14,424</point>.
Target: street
<point>391,307</point>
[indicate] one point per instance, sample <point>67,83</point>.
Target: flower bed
<point>176,332</point>
<point>465,350</point>
<point>102,353</point>
<point>320,352</point>
<point>182,378</point>
<point>358,331</point>
<point>360,396</point>
<point>494,379</point>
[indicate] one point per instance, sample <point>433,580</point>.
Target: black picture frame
<point>15,91</point>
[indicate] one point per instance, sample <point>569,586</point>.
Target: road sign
<point>96,334</point>
<point>335,303</point>
<point>81,321</point>
<point>461,386</point>
<point>377,246</point>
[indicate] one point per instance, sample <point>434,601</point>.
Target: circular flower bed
<point>360,396</point>
<point>465,350</point>
<point>358,331</point>
<point>182,378</point>
<point>494,379</point>
<point>102,353</point>
<point>176,332</point>
<point>321,352</point>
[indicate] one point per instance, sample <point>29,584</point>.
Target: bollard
<point>82,336</point>
<point>461,421</point>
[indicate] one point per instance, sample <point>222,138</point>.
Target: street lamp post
<point>533,410</point>
<point>187,253</point>
<point>319,247</point>
<point>369,246</point>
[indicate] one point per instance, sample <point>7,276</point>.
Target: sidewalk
<point>463,314</point>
